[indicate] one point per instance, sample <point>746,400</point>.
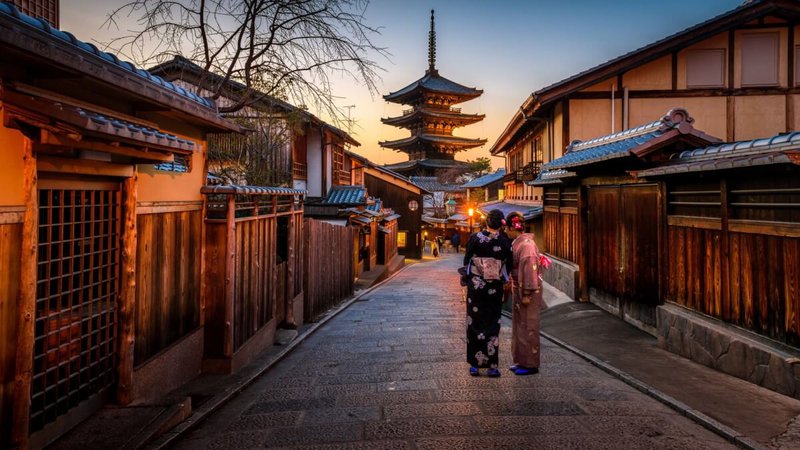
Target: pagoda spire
<point>432,47</point>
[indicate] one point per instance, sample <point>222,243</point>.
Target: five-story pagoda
<point>431,120</point>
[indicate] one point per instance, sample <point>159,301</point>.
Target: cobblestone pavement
<point>390,373</point>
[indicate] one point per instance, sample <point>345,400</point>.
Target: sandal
<point>473,371</point>
<point>494,373</point>
<point>526,370</point>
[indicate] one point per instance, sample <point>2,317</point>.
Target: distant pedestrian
<point>434,248</point>
<point>527,297</point>
<point>487,258</point>
<point>456,241</point>
<point>440,243</point>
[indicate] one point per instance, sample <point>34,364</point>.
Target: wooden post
<point>127,295</point>
<point>230,274</point>
<point>290,268</point>
<point>20,415</point>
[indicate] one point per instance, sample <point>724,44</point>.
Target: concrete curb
<point>685,410</point>
<point>213,404</point>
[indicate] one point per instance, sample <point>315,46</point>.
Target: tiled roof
<point>346,195</point>
<point>756,152</point>
<point>87,48</point>
<point>432,184</point>
<point>486,179</point>
<point>616,145</point>
<point>390,217</point>
<point>552,177</point>
<point>435,83</point>
<point>433,139</point>
<point>118,127</point>
<point>528,212</point>
<point>427,163</point>
<point>250,190</point>
<point>375,206</point>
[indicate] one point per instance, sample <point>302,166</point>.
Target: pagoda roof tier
<point>418,114</point>
<point>432,140</point>
<point>430,163</point>
<point>433,83</point>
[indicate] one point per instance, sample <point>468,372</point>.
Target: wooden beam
<point>26,303</point>
<point>731,57</point>
<point>115,149</point>
<point>230,275</point>
<point>730,114</point>
<point>83,166</point>
<point>674,71</point>
<point>127,296</point>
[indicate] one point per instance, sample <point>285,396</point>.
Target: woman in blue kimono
<point>488,260</point>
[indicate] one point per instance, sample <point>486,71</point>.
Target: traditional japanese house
<point>736,72</point>
<point>432,147</point>
<point>695,243</point>
<point>100,214</point>
<point>397,193</point>
<point>304,152</point>
<point>729,276</point>
<point>600,219</point>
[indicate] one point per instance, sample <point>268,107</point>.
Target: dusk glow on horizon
<point>507,49</point>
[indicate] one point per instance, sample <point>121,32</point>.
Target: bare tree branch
<point>282,48</point>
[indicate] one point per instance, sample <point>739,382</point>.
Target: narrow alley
<point>389,372</point>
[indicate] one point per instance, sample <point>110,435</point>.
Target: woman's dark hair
<point>515,221</point>
<point>495,219</point>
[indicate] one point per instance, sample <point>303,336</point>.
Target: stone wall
<point>728,349</point>
<point>563,276</point>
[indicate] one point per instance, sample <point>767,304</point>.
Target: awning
<point>390,218</point>
<point>383,229</point>
<point>73,126</point>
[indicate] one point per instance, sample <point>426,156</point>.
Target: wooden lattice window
<point>76,298</point>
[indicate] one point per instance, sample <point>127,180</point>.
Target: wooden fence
<point>328,264</point>
<point>561,231</point>
<point>167,279</point>
<point>733,247</point>
<point>252,265</point>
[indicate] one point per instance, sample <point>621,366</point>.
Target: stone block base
<point>729,349</point>
<point>563,275</point>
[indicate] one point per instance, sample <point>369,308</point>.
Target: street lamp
<point>470,212</point>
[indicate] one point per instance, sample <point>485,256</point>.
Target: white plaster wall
<point>314,158</point>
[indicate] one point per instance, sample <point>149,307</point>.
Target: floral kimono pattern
<point>527,292</point>
<point>485,299</point>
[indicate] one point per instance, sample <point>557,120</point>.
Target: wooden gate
<point>623,231</point>
<point>76,299</point>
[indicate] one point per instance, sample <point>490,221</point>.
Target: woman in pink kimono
<point>527,297</point>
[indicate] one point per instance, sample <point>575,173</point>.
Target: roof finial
<point>432,47</point>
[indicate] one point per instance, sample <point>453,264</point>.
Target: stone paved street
<point>389,372</point>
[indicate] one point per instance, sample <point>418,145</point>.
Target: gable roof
<point>433,82</point>
<point>486,179</point>
<point>783,148</point>
<point>38,40</point>
<point>746,12</point>
<point>346,195</point>
<point>180,68</point>
<point>675,126</point>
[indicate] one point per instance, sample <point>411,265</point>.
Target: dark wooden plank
<point>735,277</point>
<point>26,305</point>
<point>127,296</point>
<point>747,260</point>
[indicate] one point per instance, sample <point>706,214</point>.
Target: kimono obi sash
<point>490,269</point>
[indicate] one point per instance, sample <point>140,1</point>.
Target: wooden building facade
<point>596,215</point>
<point>736,72</point>
<point>100,210</point>
<point>399,194</point>
<point>679,234</point>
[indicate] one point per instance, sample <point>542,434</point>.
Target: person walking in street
<point>487,258</point>
<point>527,297</point>
<point>440,243</point>
<point>456,241</point>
